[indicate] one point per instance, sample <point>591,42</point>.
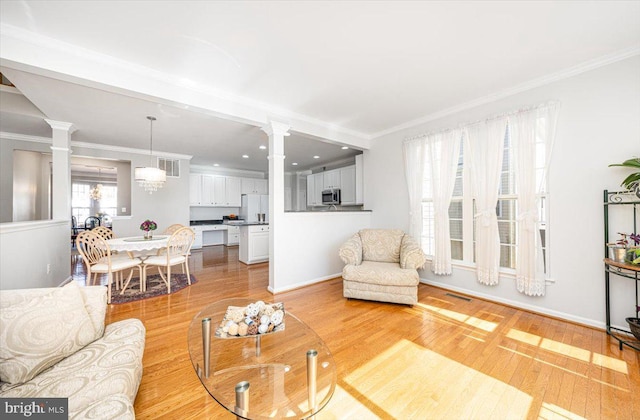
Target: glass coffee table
<point>286,373</point>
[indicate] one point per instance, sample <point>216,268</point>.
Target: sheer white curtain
<point>442,161</point>
<point>532,135</point>
<point>485,145</point>
<point>414,158</point>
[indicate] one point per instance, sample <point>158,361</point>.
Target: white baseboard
<point>533,308</point>
<point>302,284</point>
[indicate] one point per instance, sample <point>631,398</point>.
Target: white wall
<point>29,248</point>
<point>7,146</point>
<point>27,251</point>
<point>598,125</point>
<point>308,243</point>
<point>168,205</point>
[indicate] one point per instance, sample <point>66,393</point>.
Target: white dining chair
<point>177,252</point>
<point>96,255</point>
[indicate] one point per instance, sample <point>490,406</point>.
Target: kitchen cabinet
<point>226,191</point>
<point>348,185</point>
<point>200,190</point>
<point>195,189</point>
<point>207,190</point>
<point>254,186</point>
<point>232,236</point>
<point>214,190</point>
<point>254,244</point>
<point>197,243</point>
<point>315,185</point>
<point>331,179</point>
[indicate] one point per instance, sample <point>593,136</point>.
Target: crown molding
<point>128,150</point>
<point>96,146</point>
<point>531,84</point>
<point>24,137</point>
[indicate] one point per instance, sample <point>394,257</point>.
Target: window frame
<point>468,222</point>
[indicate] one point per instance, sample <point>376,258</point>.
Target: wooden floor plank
<point>442,358</point>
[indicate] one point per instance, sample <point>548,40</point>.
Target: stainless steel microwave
<point>331,196</point>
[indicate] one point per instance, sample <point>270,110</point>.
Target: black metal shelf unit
<point>613,199</point>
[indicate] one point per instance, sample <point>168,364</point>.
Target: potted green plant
<point>625,249</point>
<point>632,182</point>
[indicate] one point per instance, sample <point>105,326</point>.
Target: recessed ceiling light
<point>216,164</point>
<point>295,163</point>
<point>316,157</point>
<point>262,147</point>
<point>245,156</point>
<point>345,147</point>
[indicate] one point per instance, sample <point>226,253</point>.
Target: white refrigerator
<point>252,205</point>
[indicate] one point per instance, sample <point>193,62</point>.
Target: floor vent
<point>458,297</point>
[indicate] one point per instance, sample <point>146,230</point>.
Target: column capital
<point>276,128</point>
<point>61,125</point>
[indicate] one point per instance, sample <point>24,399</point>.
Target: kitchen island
<point>254,243</point>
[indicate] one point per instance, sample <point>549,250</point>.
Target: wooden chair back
<point>180,242</point>
<point>173,228</point>
<point>104,231</point>
<point>93,248</point>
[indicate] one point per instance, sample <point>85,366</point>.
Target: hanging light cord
<point>151,120</point>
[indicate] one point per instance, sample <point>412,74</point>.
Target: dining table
<point>139,247</point>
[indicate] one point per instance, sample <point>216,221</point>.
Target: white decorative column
<point>61,182</point>
<point>276,132</point>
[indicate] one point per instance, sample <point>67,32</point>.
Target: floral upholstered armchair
<point>381,265</point>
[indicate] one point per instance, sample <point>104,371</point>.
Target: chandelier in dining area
<point>150,177</point>
<point>96,192</point>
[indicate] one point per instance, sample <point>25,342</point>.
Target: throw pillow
<point>38,333</point>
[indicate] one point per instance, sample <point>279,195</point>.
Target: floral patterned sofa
<point>54,344</point>
<point>381,265</point>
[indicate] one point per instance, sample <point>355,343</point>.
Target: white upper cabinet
<point>226,191</point>
<point>254,186</point>
<point>234,188</point>
<point>207,190</point>
<point>195,189</point>
<point>331,179</point>
<point>214,190</point>
<point>315,185</point>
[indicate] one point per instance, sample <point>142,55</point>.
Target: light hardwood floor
<point>445,357</point>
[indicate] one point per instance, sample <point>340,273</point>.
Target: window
<point>83,206</point>
<point>462,210</point>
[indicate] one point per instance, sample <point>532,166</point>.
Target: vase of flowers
<point>148,226</point>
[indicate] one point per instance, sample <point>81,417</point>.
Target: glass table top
<point>266,375</point>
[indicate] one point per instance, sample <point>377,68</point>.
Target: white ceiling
<point>356,69</point>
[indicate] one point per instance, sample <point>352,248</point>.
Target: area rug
<point>155,287</point>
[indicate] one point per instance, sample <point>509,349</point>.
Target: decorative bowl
<point>634,325</point>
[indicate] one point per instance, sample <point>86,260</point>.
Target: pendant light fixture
<point>96,192</point>
<point>150,177</point>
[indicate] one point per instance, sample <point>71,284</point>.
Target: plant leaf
<point>629,163</point>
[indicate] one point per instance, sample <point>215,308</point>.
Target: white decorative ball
<point>252,310</point>
<point>277,317</point>
<point>263,328</point>
<point>265,319</point>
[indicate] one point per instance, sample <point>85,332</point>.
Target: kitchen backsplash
<point>211,213</point>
